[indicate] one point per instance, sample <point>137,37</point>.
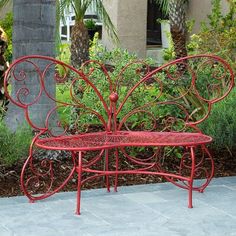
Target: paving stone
<point>4,231</point>
<point>142,210</point>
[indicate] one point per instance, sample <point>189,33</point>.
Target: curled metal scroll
<point>174,97</point>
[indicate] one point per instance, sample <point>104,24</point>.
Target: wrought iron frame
<point>117,136</point>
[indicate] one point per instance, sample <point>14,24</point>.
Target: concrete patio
<point>144,210</point>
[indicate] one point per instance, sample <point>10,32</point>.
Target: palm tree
<point>33,33</point>
<point>176,11</point>
<point>79,36</point>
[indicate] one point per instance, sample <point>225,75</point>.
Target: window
<point>153,27</point>
<point>64,30</point>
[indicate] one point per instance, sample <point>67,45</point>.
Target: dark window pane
<point>153,27</point>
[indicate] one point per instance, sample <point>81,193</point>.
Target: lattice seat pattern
<point>96,141</point>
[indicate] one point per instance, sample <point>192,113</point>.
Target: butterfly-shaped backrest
<point>174,96</point>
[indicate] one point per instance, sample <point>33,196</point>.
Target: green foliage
<point>218,36</point>
<point>2,111</point>
<point>221,124</point>
<point>7,25</point>
<point>63,94</point>
<point>90,24</point>
<point>169,53</point>
<point>164,5</point>
<point>117,57</point>
<point>216,14</point>
<point>80,8</point>
<point>115,61</point>
<point>64,56</point>
<point>14,146</point>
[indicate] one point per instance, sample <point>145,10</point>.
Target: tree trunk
<point>33,33</point>
<point>178,26</point>
<point>79,44</point>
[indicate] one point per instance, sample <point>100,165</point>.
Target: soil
<point>225,165</point>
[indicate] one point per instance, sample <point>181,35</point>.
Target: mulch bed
<point>225,165</point>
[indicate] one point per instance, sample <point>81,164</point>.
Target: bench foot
<point>77,213</point>
<point>190,193</point>
<point>190,206</point>
<point>107,169</point>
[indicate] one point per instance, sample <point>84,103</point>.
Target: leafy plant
<point>221,124</point>
<point>115,61</point>
<point>218,35</point>
<point>7,24</point>
<point>14,146</point>
<point>64,56</point>
<point>90,24</point>
<point>79,35</point>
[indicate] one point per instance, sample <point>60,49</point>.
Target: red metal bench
<point>147,119</point>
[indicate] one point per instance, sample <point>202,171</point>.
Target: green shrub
<point>90,24</point>
<point>14,146</point>
<point>218,34</point>
<point>221,124</point>
<point>7,24</point>
<point>64,56</point>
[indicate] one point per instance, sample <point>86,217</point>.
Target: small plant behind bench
<point>221,124</point>
<point>14,146</point>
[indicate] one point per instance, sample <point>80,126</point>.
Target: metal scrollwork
<point>135,113</point>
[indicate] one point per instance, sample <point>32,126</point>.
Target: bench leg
<point>117,168</point>
<point>190,194</point>
<point>107,169</point>
<point>210,176</point>
<point>79,172</point>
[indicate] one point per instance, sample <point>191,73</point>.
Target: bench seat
<point>104,140</point>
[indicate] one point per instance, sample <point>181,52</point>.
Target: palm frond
<point>3,3</point>
<point>84,6</point>
<point>77,5</point>
<point>111,30</point>
<point>61,7</point>
<point>80,8</point>
<point>164,5</point>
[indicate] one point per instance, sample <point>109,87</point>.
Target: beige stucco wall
<point>199,9</point>
<point>112,9</point>
<point>130,20</point>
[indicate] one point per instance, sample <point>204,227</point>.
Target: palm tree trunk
<point>178,26</point>
<point>79,44</point>
<point>33,33</point>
